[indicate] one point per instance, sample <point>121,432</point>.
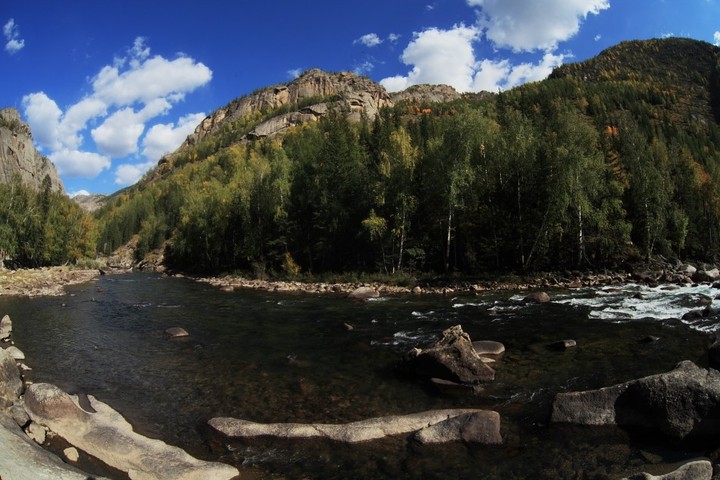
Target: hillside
<point>607,161</point>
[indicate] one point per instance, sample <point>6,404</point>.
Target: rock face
<point>473,425</point>
<point>19,157</point>
<point>5,327</point>
<point>91,202</point>
<point>684,402</point>
<point>347,92</point>
<point>106,435</point>
<point>10,383</point>
<point>425,93</point>
<point>451,358</point>
<point>698,470</point>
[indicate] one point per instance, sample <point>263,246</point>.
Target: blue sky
<point>108,87</point>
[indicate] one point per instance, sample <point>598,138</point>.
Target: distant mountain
<point>91,202</point>
<point>18,155</point>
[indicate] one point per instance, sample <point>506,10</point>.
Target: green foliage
<point>607,160</point>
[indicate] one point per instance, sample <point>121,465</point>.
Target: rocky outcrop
<point>697,470</point>
<point>452,358</point>
<point>18,155</point>
<point>425,93</point>
<point>683,403</point>
<point>473,425</point>
<point>103,433</point>
<point>355,95</point>
<point>91,202</point>
<point>10,383</point>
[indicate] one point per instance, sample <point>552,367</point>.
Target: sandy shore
<point>49,281</point>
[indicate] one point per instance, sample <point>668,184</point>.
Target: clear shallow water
<point>273,357</point>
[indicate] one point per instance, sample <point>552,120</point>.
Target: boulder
<point>15,353</point>
<point>709,275</point>
<point>71,454</point>
<point>477,425</point>
<point>364,293</point>
<point>537,297</point>
<point>697,470</point>
<point>481,427</point>
<point>682,403</point>
<point>36,432</point>
<point>452,358</point>
<point>10,382</point>
<point>103,433</point>
<point>23,459</point>
<point>563,344</point>
<point>175,332</point>
<point>5,327</point>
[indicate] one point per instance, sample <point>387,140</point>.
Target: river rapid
<point>289,357</point>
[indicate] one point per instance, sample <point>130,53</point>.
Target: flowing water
<point>271,357</point>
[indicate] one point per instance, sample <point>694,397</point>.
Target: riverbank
<point>48,281</point>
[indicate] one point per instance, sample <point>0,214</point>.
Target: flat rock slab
<point>697,470</point>
<point>488,347</point>
<point>175,332</point>
<point>106,435</point>
<point>374,428</point>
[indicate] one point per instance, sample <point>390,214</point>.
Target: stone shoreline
<point>49,281</point>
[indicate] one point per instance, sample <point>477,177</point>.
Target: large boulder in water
<point>103,433</point>
<point>452,358</point>
<point>10,383</point>
<point>682,403</point>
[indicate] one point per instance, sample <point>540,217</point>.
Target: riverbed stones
<point>106,435</point>
<point>682,403</point>
<point>697,470</point>
<point>5,327</point>
<point>452,358</point>
<point>10,382</point>
<point>537,297</point>
<point>477,426</point>
<point>176,332</point>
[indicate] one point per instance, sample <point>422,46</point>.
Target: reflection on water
<point>272,357</point>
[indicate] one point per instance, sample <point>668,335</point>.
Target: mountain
<point>91,202</point>
<point>606,162</point>
<point>18,155</point>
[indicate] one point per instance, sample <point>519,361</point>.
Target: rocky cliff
<point>18,155</point>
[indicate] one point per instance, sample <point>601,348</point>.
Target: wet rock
<point>452,358</point>
<point>364,293</point>
<point>537,297</point>
<point>354,432</point>
<point>684,402</point>
<point>176,332</point>
<point>482,427</point>
<point>106,435</point>
<point>705,276</point>
<point>714,354</point>
<point>10,382</point>
<point>577,283</point>
<point>697,470</point>
<point>488,347</point>
<point>5,327</point>
<point>71,454</point>
<point>650,339</point>
<point>563,344</point>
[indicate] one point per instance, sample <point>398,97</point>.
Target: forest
<point>560,174</point>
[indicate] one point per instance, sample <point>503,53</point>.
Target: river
<point>272,357</point>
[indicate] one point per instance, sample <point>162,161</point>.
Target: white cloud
<point>75,163</point>
<point>439,57</point>
<point>364,68</point>
<point>294,72</point>
<point>124,97</point>
<point>369,40</point>
<point>716,37</point>
<point>528,25</point>
<point>165,138</point>
<point>598,37</point>
<point>78,193</point>
<point>394,37</point>
<point>12,35</point>
<point>447,57</point>
<point>127,173</point>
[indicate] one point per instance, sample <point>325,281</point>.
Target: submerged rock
<point>452,358</point>
<point>106,435</point>
<point>563,344</point>
<point>537,297</point>
<point>175,332</point>
<point>684,402</point>
<point>476,426</point>
<point>697,470</point>
<point>488,347</point>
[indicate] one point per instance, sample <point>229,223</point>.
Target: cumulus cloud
<point>528,25</point>
<point>716,37</point>
<point>369,40</point>
<point>125,96</point>
<point>129,173</point>
<point>78,193</point>
<point>166,137</point>
<point>12,36</point>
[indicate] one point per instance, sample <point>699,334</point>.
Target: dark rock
<point>650,339</point>
<point>638,296</point>
<point>682,403</point>
<point>537,297</point>
<point>714,354</point>
<point>481,427</point>
<point>452,358</point>
<point>563,344</point>
<point>697,470</point>
<point>577,283</point>
<point>705,276</point>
